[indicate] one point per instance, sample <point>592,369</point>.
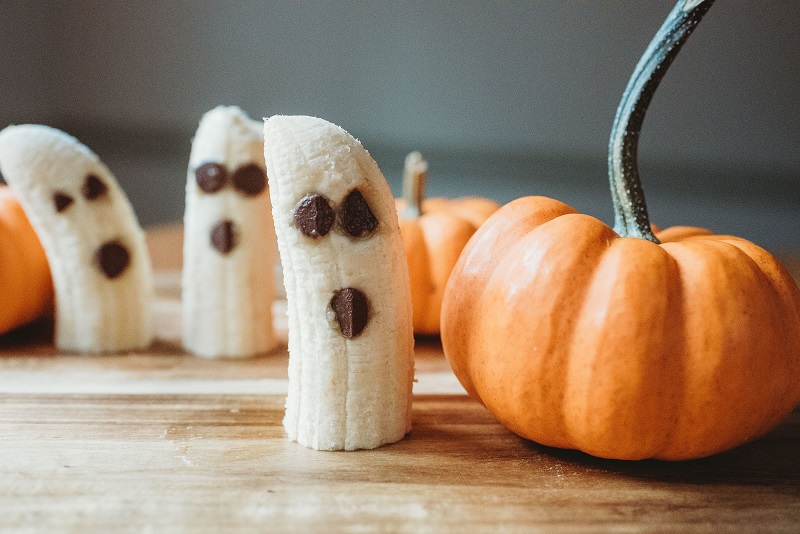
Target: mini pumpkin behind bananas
<point>25,280</point>
<point>435,231</point>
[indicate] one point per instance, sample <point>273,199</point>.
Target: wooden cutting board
<point>166,442</point>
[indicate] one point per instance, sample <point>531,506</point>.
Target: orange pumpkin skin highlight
<point>25,281</point>
<point>575,337</point>
<point>433,242</point>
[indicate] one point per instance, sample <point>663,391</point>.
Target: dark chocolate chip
<point>223,236</point>
<point>94,187</point>
<point>210,177</point>
<point>62,201</point>
<point>250,179</point>
<point>113,258</point>
<point>314,216</point>
<point>350,306</point>
<point>357,218</point>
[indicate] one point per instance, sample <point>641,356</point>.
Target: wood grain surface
<point>166,442</point>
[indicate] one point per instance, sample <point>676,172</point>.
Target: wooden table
<point>166,442</point>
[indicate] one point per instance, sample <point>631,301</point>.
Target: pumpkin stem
<point>630,209</point>
<point>415,173</point>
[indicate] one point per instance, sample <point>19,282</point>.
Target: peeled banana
<point>351,344</point>
<point>93,242</point>
<point>229,240</point>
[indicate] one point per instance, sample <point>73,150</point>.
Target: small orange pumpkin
<point>434,231</point>
<point>25,281</point>
<point>621,343</point>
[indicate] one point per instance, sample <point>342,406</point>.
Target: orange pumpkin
<point>621,343</point>
<point>434,231</point>
<point>618,346</point>
<point>25,281</point>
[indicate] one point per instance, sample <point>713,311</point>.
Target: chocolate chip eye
<point>313,216</point>
<point>210,177</point>
<point>223,236</point>
<point>62,201</point>
<point>113,258</point>
<point>357,218</point>
<point>351,309</point>
<point>94,188</point>
<point>250,179</point>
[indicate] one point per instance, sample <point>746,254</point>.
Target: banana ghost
<point>93,242</point>
<point>229,241</point>
<point>351,360</point>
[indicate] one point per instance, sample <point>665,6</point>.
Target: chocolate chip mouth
<point>224,236</point>
<point>351,309</point>
<point>113,259</point>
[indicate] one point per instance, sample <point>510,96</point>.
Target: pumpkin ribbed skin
<point>433,242</point>
<point>575,337</point>
<point>25,281</point>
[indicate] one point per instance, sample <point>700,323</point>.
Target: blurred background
<point>504,98</point>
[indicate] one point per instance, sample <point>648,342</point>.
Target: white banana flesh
<point>94,244</point>
<point>351,361</point>
<point>229,240</point>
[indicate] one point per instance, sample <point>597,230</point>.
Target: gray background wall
<point>506,98</point>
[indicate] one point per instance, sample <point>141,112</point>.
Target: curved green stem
<point>415,173</point>
<point>630,209</point>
